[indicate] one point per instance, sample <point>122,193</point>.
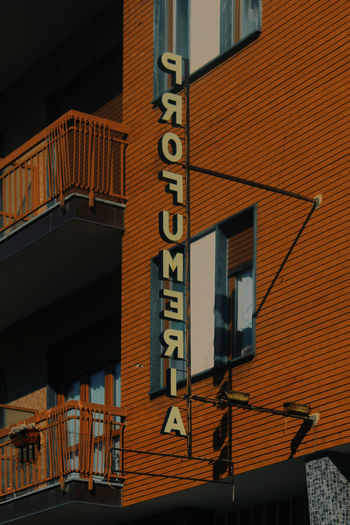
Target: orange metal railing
<point>77,152</point>
<point>76,439</point>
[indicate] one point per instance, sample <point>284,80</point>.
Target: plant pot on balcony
<point>24,435</point>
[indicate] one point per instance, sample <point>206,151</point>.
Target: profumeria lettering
<point>171,228</point>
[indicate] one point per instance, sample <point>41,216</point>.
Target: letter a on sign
<point>173,422</point>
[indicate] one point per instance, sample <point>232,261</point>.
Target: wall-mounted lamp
<point>241,400</point>
<point>296,409</point>
<point>234,397</point>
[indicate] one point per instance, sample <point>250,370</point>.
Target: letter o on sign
<point>171,147</point>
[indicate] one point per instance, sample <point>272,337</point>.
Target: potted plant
<point>24,434</point>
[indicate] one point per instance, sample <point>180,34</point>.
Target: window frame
<point>233,295</point>
<point>223,358</point>
<point>111,395</point>
<point>161,43</point>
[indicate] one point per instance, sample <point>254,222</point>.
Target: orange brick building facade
<point>269,105</point>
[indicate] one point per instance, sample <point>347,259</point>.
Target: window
<point>96,377</point>
<point>101,387</point>
<point>200,30</point>
<point>240,291</point>
<point>222,300</point>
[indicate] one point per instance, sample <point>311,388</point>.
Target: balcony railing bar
<point>75,437</point>
<point>36,139</point>
<point>78,151</point>
<point>19,409</point>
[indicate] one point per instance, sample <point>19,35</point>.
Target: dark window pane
<point>227,24</point>
<point>249,17</point>
<point>160,44</point>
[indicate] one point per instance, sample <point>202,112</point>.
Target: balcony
<point>61,211</point>
<point>59,458</point>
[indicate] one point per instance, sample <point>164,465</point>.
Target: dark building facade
<point>174,262</point>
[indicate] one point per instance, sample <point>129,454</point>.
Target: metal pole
<point>175,456</point>
<point>174,476</point>
<point>314,207</point>
<point>188,262</point>
<point>237,404</point>
<point>254,184</point>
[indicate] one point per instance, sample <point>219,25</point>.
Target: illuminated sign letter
<point>165,227</point>
<point>175,308</point>
<point>173,63</point>
<point>175,187</point>
<point>173,105</point>
<point>175,264</point>
<point>174,341</point>
<point>171,147</point>
<point>173,422</point>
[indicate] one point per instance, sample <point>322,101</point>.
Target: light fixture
<point>232,396</point>
<point>296,409</point>
<point>241,399</point>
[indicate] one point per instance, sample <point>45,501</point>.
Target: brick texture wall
<point>275,112</point>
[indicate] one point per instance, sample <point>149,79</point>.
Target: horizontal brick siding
<point>276,112</point>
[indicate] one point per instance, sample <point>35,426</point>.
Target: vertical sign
<point>171,229</point>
